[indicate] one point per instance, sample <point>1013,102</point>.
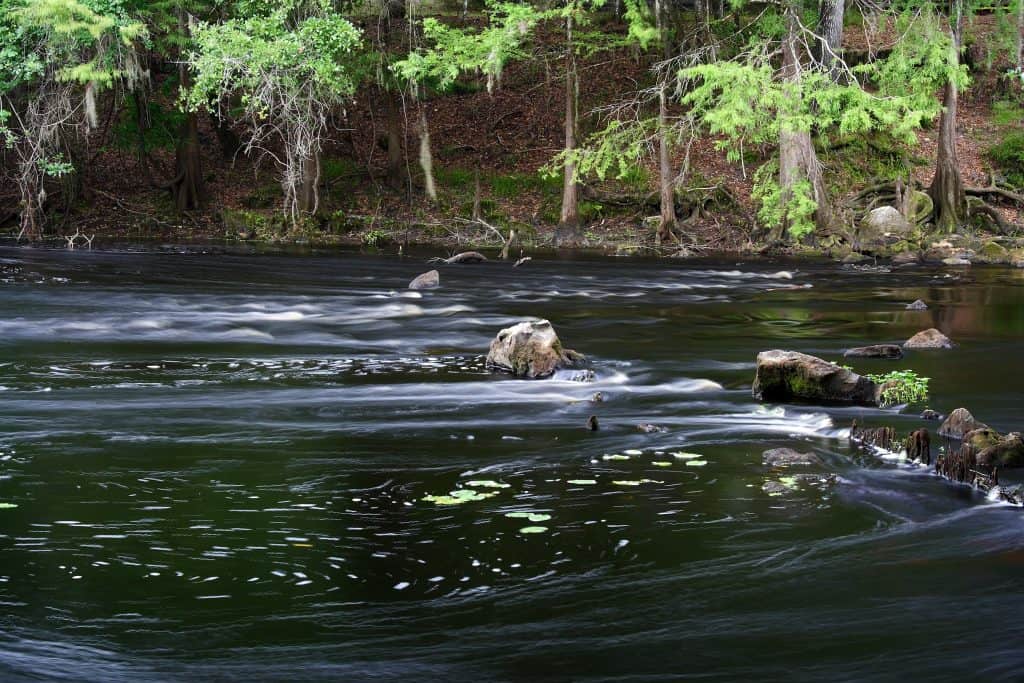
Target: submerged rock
<point>531,350</point>
<point>783,457</point>
<point>648,428</point>
<point>929,414</point>
<point>890,351</point>
<point>928,339</point>
<point>917,306</point>
<point>428,280</point>
<point>794,376</point>
<point>959,423</point>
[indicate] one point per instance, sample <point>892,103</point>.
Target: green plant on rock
<point>901,386</point>
<point>375,238</point>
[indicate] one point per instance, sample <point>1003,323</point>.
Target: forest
<point>851,128</point>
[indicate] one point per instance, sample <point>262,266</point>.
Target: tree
<point>58,56</point>
<point>750,101</point>
<point>288,69</point>
<point>947,188</point>
<point>454,51</point>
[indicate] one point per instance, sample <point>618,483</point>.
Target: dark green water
<point>219,464</point>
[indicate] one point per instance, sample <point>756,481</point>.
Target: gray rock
<point>959,423</point>
<point>531,350</point>
<point>906,258</point>
<point>793,376</point>
<point>586,375</point>
<point>930,414</point>
<point>928,339</point>
<point>775,488</point>
<point>648,428</point>
<point>917,306</point>
<point>428,280</point>
<point>882,227</point>
<point>855,258</point>
<point>783,457</point>
<point>889,351</point>
<point>956,261</point>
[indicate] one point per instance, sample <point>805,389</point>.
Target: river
<point>219,463</point>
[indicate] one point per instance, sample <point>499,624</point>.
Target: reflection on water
<point>268,467</point>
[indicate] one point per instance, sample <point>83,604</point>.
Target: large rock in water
<point>928,339</point>
<point>889,351</point>
<point>959,423</point>
<point>530,349</point>
<point>428,280</point>
<point>793,376</point>
<point>1007,452</point>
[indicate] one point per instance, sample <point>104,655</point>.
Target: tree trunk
<point>830,35</point>
<point>396,164</point>
<point>187,186</point>
<point>667,226</point>
<point>798,161</point>
<point>947,188</point>
<point>1020,38</point>
<point>426,157</point>
<point>568,232</point>
<point>309,189</point>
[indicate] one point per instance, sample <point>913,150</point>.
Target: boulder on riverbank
<point>928,339</point>
<point>429,280</point>
<point>794,376</point>
<point>888,351</point>
<point>531,350</point>
<point>959,423</point>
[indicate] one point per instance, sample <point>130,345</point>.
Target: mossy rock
<point>993,252</point>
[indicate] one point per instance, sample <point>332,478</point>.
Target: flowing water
<point>220,462</point>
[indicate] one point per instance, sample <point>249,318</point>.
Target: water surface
<point>220,461</point>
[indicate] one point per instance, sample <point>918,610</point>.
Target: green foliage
<point>905,386</point>
<point>78,39</point>
<point>614,151</point>
<point>794,209</point>
<point>249,57</point>
<point>1008,154</point>
<point>375,238</point>
<point>515,184</point>
<point>455,50</point>
<point>744,102</point>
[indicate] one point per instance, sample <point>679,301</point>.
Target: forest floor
<point>498,143</point>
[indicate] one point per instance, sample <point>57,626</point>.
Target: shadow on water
<point>237,466</point>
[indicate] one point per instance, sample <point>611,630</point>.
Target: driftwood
<point>464,257</point>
